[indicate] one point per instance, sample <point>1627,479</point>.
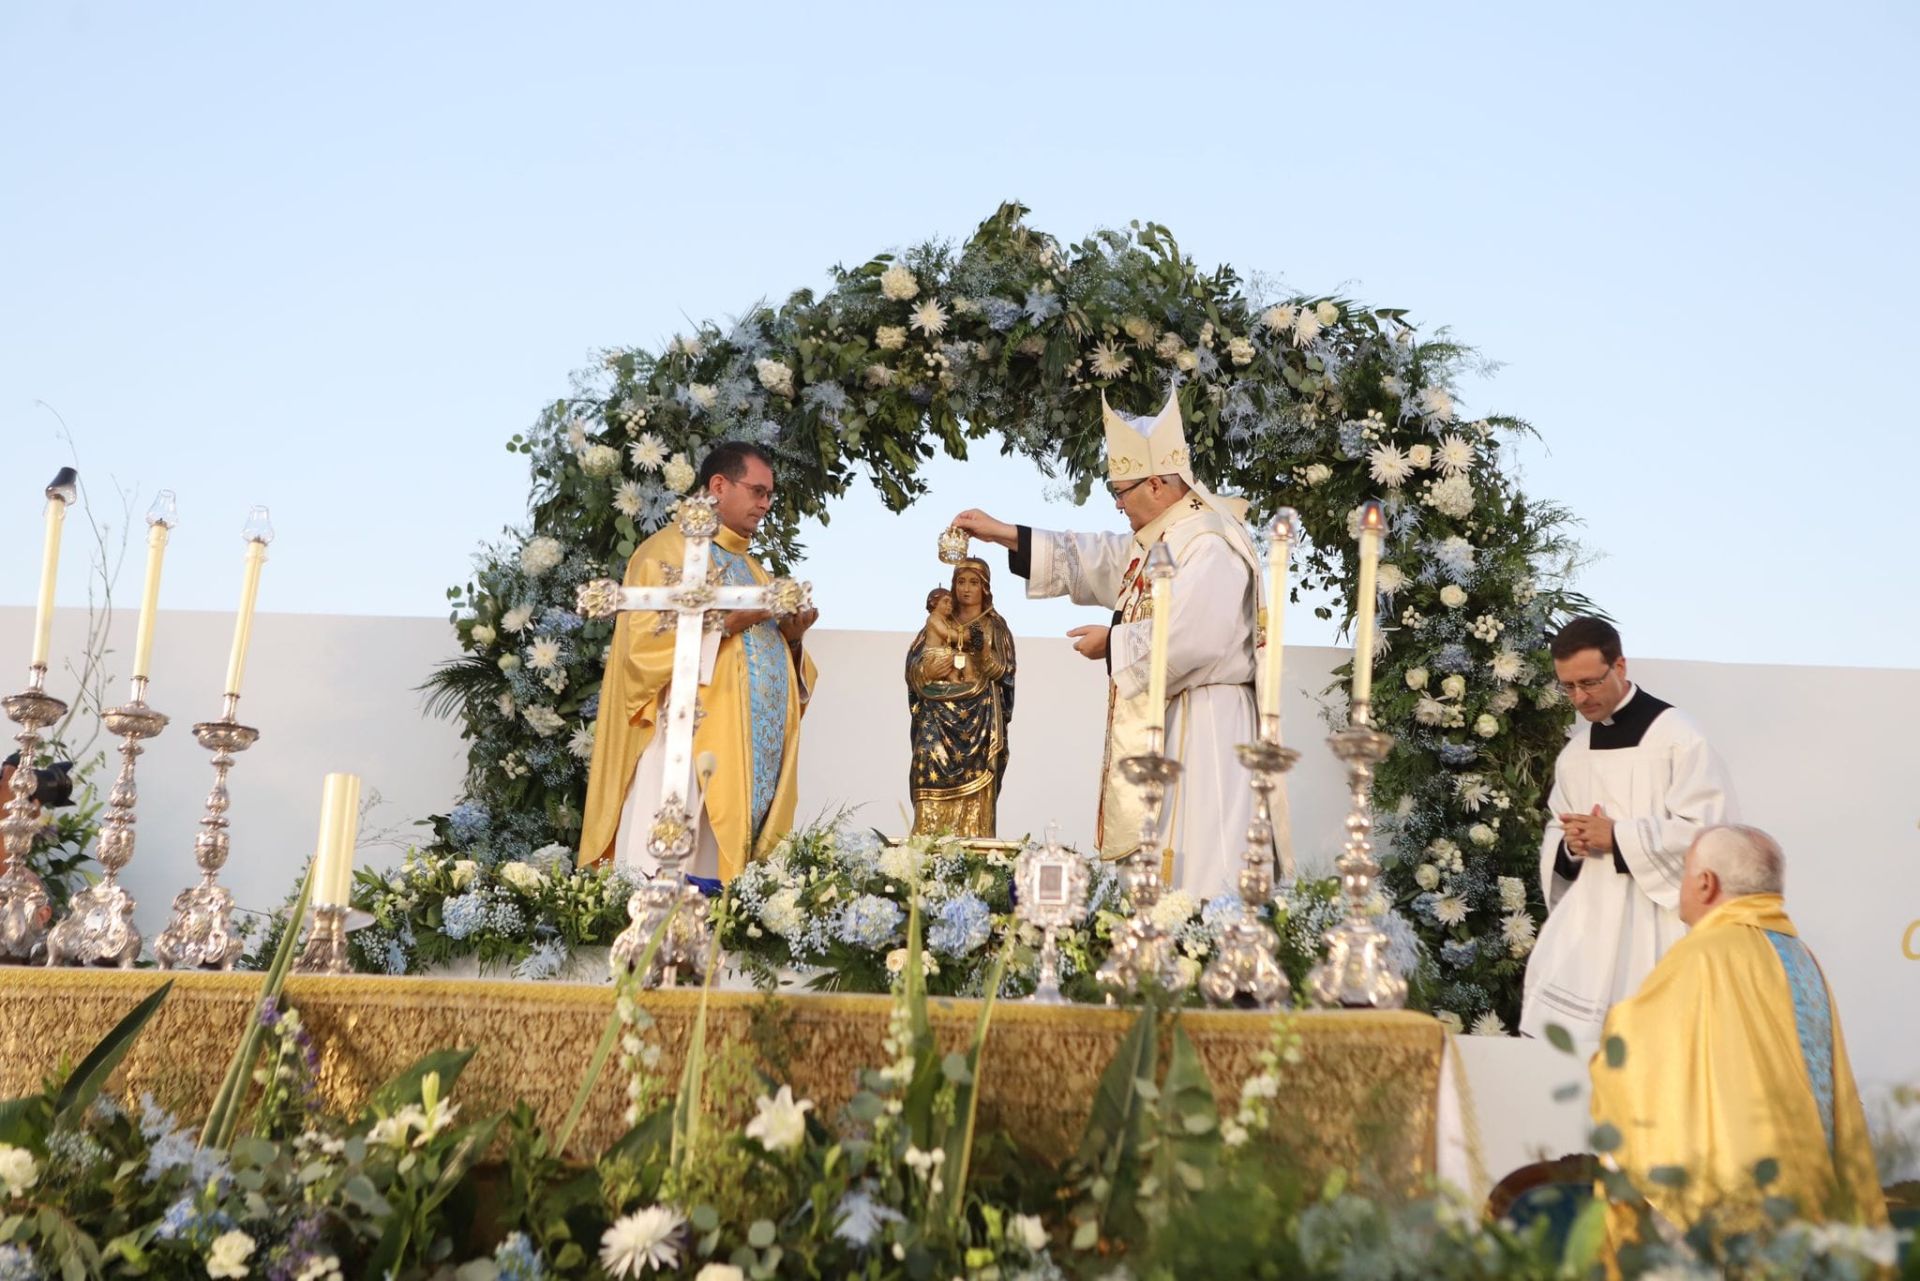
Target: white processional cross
<point>701,602</point>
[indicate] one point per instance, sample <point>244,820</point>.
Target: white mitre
<point>1141,447</point>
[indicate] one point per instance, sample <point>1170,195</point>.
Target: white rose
<point>18,1170</point>
<point>1186,360</point>
<point>482,635</point>
<point>720,1272</point>
<point>898,283</point>
<point>509,662</point>
<point>775,376</point>
<point>1029,1231</point>
<point>1325,312</point>
<point>522,876</point>
<point>1421,456</point>
<point>1487,726</point>
<point>464,870</point>
<point>1427,876</point>
<point>1453,596</point>
<point>1482,835</point>
<point>1417,678</point>
<point>1317,474</point>
<point>1454,687</point>
<point>1240,351</point>
<point>227,1256</point>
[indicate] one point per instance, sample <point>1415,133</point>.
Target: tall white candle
<point>1160,574</point>
<point>333,855</point>
<point>1373,526</point>
<point>61,492</point>
<point>1279,554</point>
<point>346,834</point>
<point>259,533</point>
<point>160,521</point>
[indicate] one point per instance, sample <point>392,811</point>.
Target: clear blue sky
<point>329,257</point>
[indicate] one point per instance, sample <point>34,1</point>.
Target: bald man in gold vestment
<point>1733,1057</point>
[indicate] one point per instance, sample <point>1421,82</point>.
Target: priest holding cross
<point>700,615</point>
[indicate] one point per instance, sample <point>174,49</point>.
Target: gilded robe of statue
<point>959,703</point>
<point>753,690</point>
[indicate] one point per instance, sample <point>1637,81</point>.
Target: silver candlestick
<point>24,912</point>
<point>1243,970</point>
<point>1144,953</point>
<point>325,951</point>
<point>200,933</point>
<point>1357,973</point>
<point>98,928</point>
<point>683,950</point>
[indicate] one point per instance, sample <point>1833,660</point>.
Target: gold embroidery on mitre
<point>1121,465</point>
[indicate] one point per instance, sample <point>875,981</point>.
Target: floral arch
<point>1314,403</point>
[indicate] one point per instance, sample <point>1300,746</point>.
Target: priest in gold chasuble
<point>1730,1055</point>
<point>755,680</point>
<point>960,671</point>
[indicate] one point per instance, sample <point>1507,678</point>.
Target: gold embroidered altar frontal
<point>1366,1085</point>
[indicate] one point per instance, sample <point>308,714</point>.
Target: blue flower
<point>1457,753</point>
<point>859,1219</point>
<point>1220,909</point>
<point>1457,954</point>
<point>559,622</point>
<point>1002,313</point>
<point>1452,657</point>
<point>468,822</point>
<point>463,914</point>
<point>1353,439</point>
<point>828,398</point>
<point>518,1259</point>
<point>394,959</point>
<point>869,921</point>
<point>591,708</point>
<point>18,1264</point>
<point>961,926</point>
<point>1042,305</point>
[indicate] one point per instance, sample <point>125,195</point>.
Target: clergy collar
<point>1632,689</point>
<point>729,541</point>
<point>1630,721</point>
<point>1156,529</point>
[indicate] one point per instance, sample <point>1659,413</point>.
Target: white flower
<point>1450,909</point>
<point>1453,596</point>
<point>930,318</point>
<point>509,662</point>
<point>1513,894</point>
<point>1417,677</point>
<point>464,870</point>
<point>648,453</point>
<point>1472,791</point>
<point>1430,711</point>
<point>1277,317</point>
<point>516,619</point>
<point>626,499</point>
<point>1029,1231</point>
<point>1454,687</point>
<point>1450,1021</point>
<point>1489,1024</point>
<point>1138,328</point>
<point>1487,628</point>
<point>703,395</point>
<point>1506,666</point>
<point>1169,346</point>
<point>890,337</point>
<point>720,1272</point>
<point>1504,701</point>
<point>1877,1245</point>
<point>1391,579</point>
<point>543,720</point>
<point>1487,726</point>
<point>576,435</point>
<point>522,876</point>
<point>482,635</point>
<point>1434,402</point>
<point>544,654</point>
<point>902,862</point>
<point>1482,835</point>
<point>1306,327</point>
<point>1186,361</point>
<point>1519,931</point>
<point>1389,466</point>
<point>776,376</point>
<point>1240,351</point>
<point>1420,456</point>
<point>506,705</point>
<point>678,474</point>
<point>580,745</point>
<point>1454,456</point>
<point>878,376</point>
<point>599,460</point>
<point>1174,909</point>
<point>686,346</point>
<point>1108,362</point>
<point>642,1240</point>
<point>1326,312</point>
<point>1427,876</point>
<point>779,1122</point>
<point>781,914</point>
<point>18,1170</point>
<point>228,1255</point>
<point>540,555</point>
<point>1451,496</point>
<point>1394,385</point>
<point>897,962</point>
<point>1206,335</point>
<point>1446,854</point>
<point>1316,474</point>
<point>898,283</point>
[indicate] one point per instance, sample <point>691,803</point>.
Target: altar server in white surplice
<point>1211,641</point>
<point>1631,791</point>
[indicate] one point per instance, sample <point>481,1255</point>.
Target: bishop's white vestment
<point>1210,678</point>
<point>1611,919</point>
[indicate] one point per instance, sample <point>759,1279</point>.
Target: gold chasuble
<point>1733,1057</point>
<point>754,748</point>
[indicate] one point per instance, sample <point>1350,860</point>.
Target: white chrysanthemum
<point>544,654</point>
<point>898,283</point>
<point>879,376</point>
<point>1430,711</point>
<point>580,745</point>
<point>1421,456</point>
<point>1482,835</point>
<point>1417,677</point>
<point>642,1240</point>
<point>626,499</point>
<point>1487,726</point>
<point>543,720</point>
<point>649,453</point>
<point>1450,909</point>
<point>1306,327</point>
<point>890,337</point>
<point>1504,701</point>
<point>481,635</point>
<point>1390,580</point>
<point>690,347</point>
<point>776,376</point>
<point>1454,456</point>
<point>1169,346</point>
<point>1450,1021</point>
<point>1434,402</point>
<point>1489,1024</point>
<point>1277,317</point>
<point>1389,466</point>
<point>540,555</point>
<point>1513,894</point>
<point>1108,362</point>
<point>1520,933</point>
<point>1316,474</point>
<point>1453,596</point>
<point>1427,876</point>
<point>1471,791</point>
<point>1506,666</point>
<point>516,619</point>
<point>1326,311</point>
<point>1454,687</point>
<point>599,460</point>
<point>1174,909</point>
<point>678,474</point>
<point>930,318</point>
<point>1240,351</point>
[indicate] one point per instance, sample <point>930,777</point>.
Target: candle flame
<point>1373,516</point>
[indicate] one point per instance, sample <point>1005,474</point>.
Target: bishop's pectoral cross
<point>700,602</point>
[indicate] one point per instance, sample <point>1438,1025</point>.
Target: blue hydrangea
<point>1452,658</point>
<point>17,1263</point>
<point>591,708</point>
<point>1457,753</point>
<point>869,921</point>
<point>961,926</point>
<point>1458,954</point>
<point>1424,904</point>
<point>1404,948</point>
<point>463,914</point>
<point>1219,910</point>
<point>859,1219</point>
<point>1353,439</point>
<point>559,622</point>
<point>1002,313</point>
<point>468,822</point>
<point>518,1259</point>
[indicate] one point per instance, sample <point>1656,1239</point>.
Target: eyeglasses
<point>1120,492</point>
<point>763,493</point>
<point>1570,688</point>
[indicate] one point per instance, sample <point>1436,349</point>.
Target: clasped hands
<point>1588,835</point>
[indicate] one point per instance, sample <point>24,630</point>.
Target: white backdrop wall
<point>1821,757</point>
